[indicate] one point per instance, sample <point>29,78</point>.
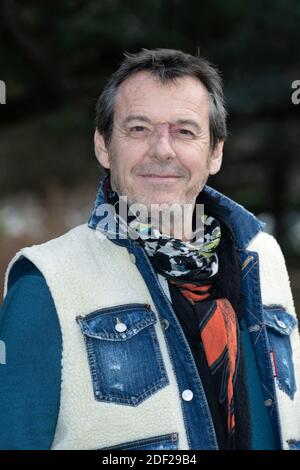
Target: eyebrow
<point>190,122</point>
<point>140,117</point>
<point>136,117</point>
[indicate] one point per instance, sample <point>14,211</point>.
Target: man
<point>137,331</point>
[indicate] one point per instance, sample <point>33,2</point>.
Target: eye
<point>138,132</point>
<point>137,129</point>
<point>186,132</point>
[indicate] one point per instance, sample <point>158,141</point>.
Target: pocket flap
<point>117,323</point>
<point>279,319</point>
<point>166,442</point>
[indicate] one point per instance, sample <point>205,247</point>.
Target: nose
<point>161,146</point>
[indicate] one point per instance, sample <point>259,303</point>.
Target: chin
<point>159,201</point>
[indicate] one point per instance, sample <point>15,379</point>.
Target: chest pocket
<point>123,352</point>
<point>280,325</point>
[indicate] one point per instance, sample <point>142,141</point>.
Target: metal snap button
<point>187,395</point>
<point>120,327</point>
<point>281,323</point>
<point>254,328</point>
<point>269,402</point>
<point>165,324</point>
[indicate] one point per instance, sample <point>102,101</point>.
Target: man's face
<point>160,147</point>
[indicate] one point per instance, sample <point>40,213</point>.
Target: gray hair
<point>166,65</point>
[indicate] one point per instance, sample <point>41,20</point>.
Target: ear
<point>215,160</point>
<point>101,151</point>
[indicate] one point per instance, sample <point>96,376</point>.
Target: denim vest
<point>273,329</point>
<point>269,316</point>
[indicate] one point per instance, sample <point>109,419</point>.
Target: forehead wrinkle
<point>181,114</point>
<point>131,98</point>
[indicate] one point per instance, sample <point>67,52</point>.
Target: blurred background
<point>55,58</point>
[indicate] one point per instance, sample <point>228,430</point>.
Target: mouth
<point>160,177</point>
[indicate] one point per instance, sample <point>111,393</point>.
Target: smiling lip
<point>160,176</point>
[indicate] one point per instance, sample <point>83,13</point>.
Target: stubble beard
<point>171,218</point>
<point>132,198</point>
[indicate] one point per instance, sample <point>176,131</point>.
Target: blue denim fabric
<point>280,325</point>
<point>127,366</point>
<point>166,442</point>
<point>196,412</point>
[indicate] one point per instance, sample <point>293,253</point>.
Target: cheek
<point>195,165</point>
<point>125,167</point>
<point>134,156</point>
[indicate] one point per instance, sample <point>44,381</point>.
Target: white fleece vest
<point>84,273</point>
